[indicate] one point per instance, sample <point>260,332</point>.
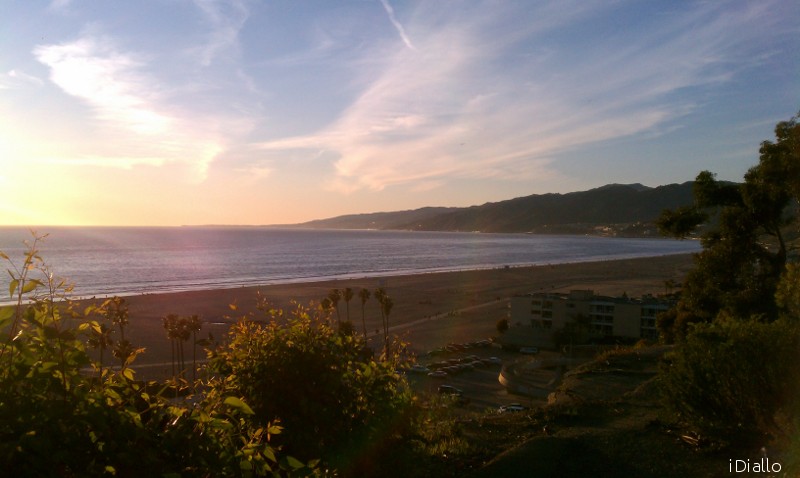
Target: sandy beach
<point>430,309</point>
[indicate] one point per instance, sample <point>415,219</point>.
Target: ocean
<point>106,261</point>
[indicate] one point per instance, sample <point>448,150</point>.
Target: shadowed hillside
<point>617,209</point>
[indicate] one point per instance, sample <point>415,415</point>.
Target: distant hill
<point>614,209</point>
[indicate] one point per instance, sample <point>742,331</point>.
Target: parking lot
<point>477,381</point>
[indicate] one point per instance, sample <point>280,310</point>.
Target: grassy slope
<point>606,420</point>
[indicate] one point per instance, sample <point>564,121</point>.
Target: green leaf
<point>12,286</point>
<point>128,373</point>
<point>239,405</point>
<point>294,463</point>
<point>30,285</point>
<point>6,314</point>
<point>3,255</point>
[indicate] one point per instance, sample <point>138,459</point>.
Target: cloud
<point>400,30</point>
<point>107,80</point>
<point>131,110</point>
<point>472,101</point>
<point>226,18</point>
<point>15,79</point>
<point>59,5</point>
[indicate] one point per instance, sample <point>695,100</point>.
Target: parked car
<point>450,390</point>
<point>417,368</point>
<point>511,408</point>
<point>493,360</point>
<point>438,374</point>
<point>529,350</point>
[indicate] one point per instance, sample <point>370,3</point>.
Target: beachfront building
<point>606,316</point>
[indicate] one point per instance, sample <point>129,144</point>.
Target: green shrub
<point>62,414</point>
<point>324,386</point>
<point>734,379</point>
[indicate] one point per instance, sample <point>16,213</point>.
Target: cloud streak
<point>443,110</point>
<point>397,25</point>
<point>226,19</point>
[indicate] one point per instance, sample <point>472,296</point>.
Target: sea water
<point>105,261</point>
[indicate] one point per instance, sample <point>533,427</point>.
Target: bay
<point>105,261</point>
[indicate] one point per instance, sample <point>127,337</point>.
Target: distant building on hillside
<point>605,316</point>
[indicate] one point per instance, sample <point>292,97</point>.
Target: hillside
<point>614,209</point>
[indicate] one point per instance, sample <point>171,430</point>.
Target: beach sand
<point>429,309</point>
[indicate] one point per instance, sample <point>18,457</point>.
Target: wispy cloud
<point>59,5</point>
<point>14,79</point>
<point>129,107</point>
<point>443,110</point>
<point>226,19</point>
<point>110,81</point>
<point>397,25</point>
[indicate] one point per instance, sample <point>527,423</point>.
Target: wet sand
<point>429,309</point>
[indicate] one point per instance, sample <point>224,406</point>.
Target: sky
<point>193,112</point>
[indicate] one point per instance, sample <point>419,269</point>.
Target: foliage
<point>179,330</point>
<point>502,325</point>
<point>745,252</point>
<point>788,292</point>
<point>736,378</point>
<point>364,295</point>
<point>575,332</point>
<point>324,386</point>
<point>58,419</point>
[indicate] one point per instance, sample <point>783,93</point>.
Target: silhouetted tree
<point>744,247</point>
<point>335,295</point>
<point>347,295</point>
<point>364,294</point>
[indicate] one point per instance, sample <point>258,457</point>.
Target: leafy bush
<point>324,386</point>
<point>63,414</point>
<point>736,378</point>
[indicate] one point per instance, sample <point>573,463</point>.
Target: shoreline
<point>427,305</point>
<point>356,276</point>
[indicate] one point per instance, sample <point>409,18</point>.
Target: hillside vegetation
<point>627,209</point>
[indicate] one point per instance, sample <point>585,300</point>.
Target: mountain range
<point>614,209</point>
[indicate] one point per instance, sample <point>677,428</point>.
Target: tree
<point>502,326</point>
<point>347,295</point>
<point>737,379</point>
<point>335,295</point>
<point>193,325</point>
<point>323,386</point>
<point>364,296</point>
<point>745,248</point>
<point>55,420</point>
<point>386,307</point>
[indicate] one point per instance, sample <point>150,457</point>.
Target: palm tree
<point>326,305</point>
<point>364,295</point>
<point>183,335</point>
<point>347,295</point>
<point>194,324</point>
<point>170,322</point>
<point>380,295</point>
<point>335,295</point>
<point>386,308</point>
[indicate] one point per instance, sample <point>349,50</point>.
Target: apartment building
<point>607,316</point>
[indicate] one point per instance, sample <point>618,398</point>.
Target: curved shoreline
<point>416,297</point>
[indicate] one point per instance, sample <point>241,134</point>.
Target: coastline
<point>418,299</point>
